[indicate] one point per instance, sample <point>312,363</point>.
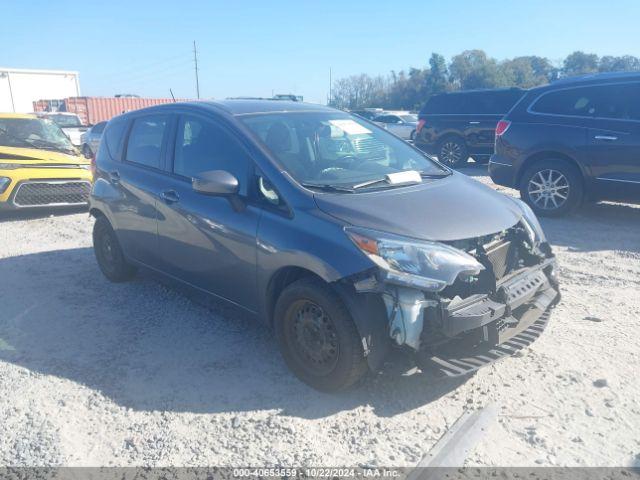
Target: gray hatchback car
<point>344,238</point>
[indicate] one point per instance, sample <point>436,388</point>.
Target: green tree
<point>473,69</point>
<point>358,91</point>
<point>436,80</point>
<point>626,63</point>
<point>580,63</point>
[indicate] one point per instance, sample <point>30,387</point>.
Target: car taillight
<point>93,167</point>
<point>421,123</point>
<point>502,126</point>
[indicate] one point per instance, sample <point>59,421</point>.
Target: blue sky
<point>259,47</point>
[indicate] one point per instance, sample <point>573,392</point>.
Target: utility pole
<point>329,85</point>
<point>195,59</point>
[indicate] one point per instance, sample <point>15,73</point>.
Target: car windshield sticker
<point>349,127</point>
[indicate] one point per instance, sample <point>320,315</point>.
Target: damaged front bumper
<point>457,336</point>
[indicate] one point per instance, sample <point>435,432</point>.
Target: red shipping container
<point>92,110</point>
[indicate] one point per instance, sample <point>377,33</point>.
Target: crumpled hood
<point>452,208</point>
<point>35,156</point>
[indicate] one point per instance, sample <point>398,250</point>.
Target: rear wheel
<point>317,336</point>
<point>453,152</point>
<point>109,254</point>
<point>552,187</point>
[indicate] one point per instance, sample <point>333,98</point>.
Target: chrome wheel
<point>548,189</point>
<point>450,153</point>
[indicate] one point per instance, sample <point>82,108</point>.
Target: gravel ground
<point>93,373</point>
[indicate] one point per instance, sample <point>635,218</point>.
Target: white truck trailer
<point>19,88</point>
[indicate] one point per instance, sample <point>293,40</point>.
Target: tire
<point>453,152</point>
<point>109,254</point>
<point>412,136</point>
<point>317,336</point>
<point>86,151</point>
<point>552,187</point>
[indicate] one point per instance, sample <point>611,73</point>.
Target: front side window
<point>33,133</point>
<point>621,101</point>
<point>145,140</point>
<point>202,146</point>
<point>98,128</point>
<point>333,148</point>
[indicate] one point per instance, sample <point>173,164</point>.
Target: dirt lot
<point>93,373</point>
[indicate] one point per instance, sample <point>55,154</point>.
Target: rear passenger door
<point>614,139</point>
<point>137,179</point>
<point>204,240</point>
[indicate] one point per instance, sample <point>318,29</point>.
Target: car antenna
<point>174,98</point>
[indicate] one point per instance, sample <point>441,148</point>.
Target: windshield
<point>327,148</point>
<point>33,133</point>
<point>65,121</point>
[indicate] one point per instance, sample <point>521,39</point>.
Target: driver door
<point>203,240</point>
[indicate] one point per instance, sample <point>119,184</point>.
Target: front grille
<point>369,148</point>
<point>42,194</point>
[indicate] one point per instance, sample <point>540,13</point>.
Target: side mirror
<point>215,182</point>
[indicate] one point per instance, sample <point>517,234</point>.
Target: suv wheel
<point>453,152</point>
<point>317,336</point>
<point>552,187</point>
<point>412,136</point>
<point>109,254</point>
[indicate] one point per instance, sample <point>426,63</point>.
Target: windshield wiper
<point>327,187</point>
<point>435,175</point>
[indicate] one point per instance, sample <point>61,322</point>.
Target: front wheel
<point>317,336</point>
<point>453,152</point>
<point>552,187</point>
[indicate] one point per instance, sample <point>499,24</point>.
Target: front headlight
<point>4,183</point>
<point>416,263</point>
<point>531,223</point>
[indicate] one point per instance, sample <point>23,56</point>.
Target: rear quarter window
<point>113,135</point>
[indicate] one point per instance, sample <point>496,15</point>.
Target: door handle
<point>114,176</point>
<point>170,196</point>
<point>474,123</point>
<point>607,138</point>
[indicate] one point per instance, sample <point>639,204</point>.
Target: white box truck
<point>19,88</point>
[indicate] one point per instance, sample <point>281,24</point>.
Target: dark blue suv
<point>574,140</point>
<point>343,237</point>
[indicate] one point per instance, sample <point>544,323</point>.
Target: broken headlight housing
<point>531,224</point>
<point>415,263</point>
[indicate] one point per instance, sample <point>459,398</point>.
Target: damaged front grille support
<point>405,310</point>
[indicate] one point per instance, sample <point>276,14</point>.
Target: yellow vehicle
<point>39,167</point>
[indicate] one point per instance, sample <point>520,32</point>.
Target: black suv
<point>574,140</point>
<point>455,126</point>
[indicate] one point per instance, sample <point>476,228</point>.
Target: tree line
<point>472,69</point>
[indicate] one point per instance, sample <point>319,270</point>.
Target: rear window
<point>488,102</point>
<point>621,102</point>
<point>113,136</point>
<point>145,140</point>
